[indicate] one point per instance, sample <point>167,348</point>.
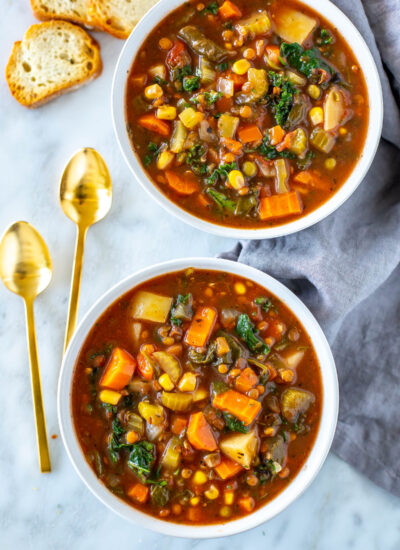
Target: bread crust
<point>27,99</point>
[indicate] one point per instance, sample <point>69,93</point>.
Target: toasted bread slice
<point>52,58</point>
<point>71,10</point>
<point>118,17</point>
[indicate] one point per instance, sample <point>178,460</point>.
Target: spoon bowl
<point>86,189</point>
<point>25,263</point>
<point>25,269</point>
<point>85,197</point>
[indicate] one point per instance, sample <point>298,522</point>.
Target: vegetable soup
<point>247,114</point>
<point>197,397</point>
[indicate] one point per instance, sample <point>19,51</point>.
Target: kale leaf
<point>222,200</point>
<point>234,424</point>
<point>159,80</point>
<point>142,458</point>
<point>153,152</point>
<point>193,158</point>
<point>323,37</point>
<point>281,104</point>
<point>269,152</point>
<point>222,170</point>
<point>265,303</point>
<point>211,97</point>
<point>182,309</point>
<point>191,83</point>
<point>306,62</point>
<point>211,8</point>
<point>249,334</point>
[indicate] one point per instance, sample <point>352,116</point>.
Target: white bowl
<point>365,59</point>
<point>308,471</point>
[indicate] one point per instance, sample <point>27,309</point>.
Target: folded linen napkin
<point>346,269</point>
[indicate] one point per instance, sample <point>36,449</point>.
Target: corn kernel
<point>166,112</point>
<point>199,478</point>
<point>164,160</point>
<point>330,163</point>
<point>223,369</point>
<point>165,43</point>
<point>239,288</point>
<point>342,131</point>
<point>187,382</point>
<point>225,512</point>
<point>249,53</point>
<point>229,497</point>
<point>166,382</point>
<point>313,91</point>
<point>287,375</point>
<point>153,92</point>
<point>316,115</point>
<point>191,118</point>
<point>249,169</point>
<point>194,501</point>
<point>109,396</point>
<point>241,66</point>
<point>212,493</point>
<point>245,111</point>
<point>236,179</point>
<point>131,437</point>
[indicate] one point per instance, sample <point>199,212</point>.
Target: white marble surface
<point>340,511</point>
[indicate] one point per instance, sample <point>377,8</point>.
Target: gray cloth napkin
<point>346,269</point>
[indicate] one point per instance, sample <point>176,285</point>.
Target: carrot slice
<point>278,206</point>
<point>184,184</point>
<point>139,492</point>
<point>229,10</point>
<point>232,145</point>
<point>201,327</point>
<point>178,424</point>
<point>276,134</point>
<point>246,380</point>
<point>249,133</point>
<point>238,80</point>
<point>227,468</point>
<point>200,434</point>
<point>154,124</point>
<point>119,370</point>
<point>241,406</point>
<point>311,179</point>
<point>144,361</point>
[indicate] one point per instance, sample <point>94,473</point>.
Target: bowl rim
<point>310,468</point>
<point>375,99</point>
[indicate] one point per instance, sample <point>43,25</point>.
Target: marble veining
<point>340,511</point>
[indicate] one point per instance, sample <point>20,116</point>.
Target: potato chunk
<point>334,108</point>
<point>292,25</point>
<point>150,307</point>
<point>295,402</point>
<point>242,448</point>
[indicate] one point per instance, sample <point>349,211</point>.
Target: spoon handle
<point>41,435</point>
<point>76,285</point>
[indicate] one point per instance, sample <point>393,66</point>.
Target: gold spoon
<point>85,197</point>
<point>25,268</point>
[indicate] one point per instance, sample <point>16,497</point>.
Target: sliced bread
<point>71,10</point>
<point>52,58</point>
<point>118,17</point>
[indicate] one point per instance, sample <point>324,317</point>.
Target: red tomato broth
<point>349,136</point>
<point>293,441</point>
